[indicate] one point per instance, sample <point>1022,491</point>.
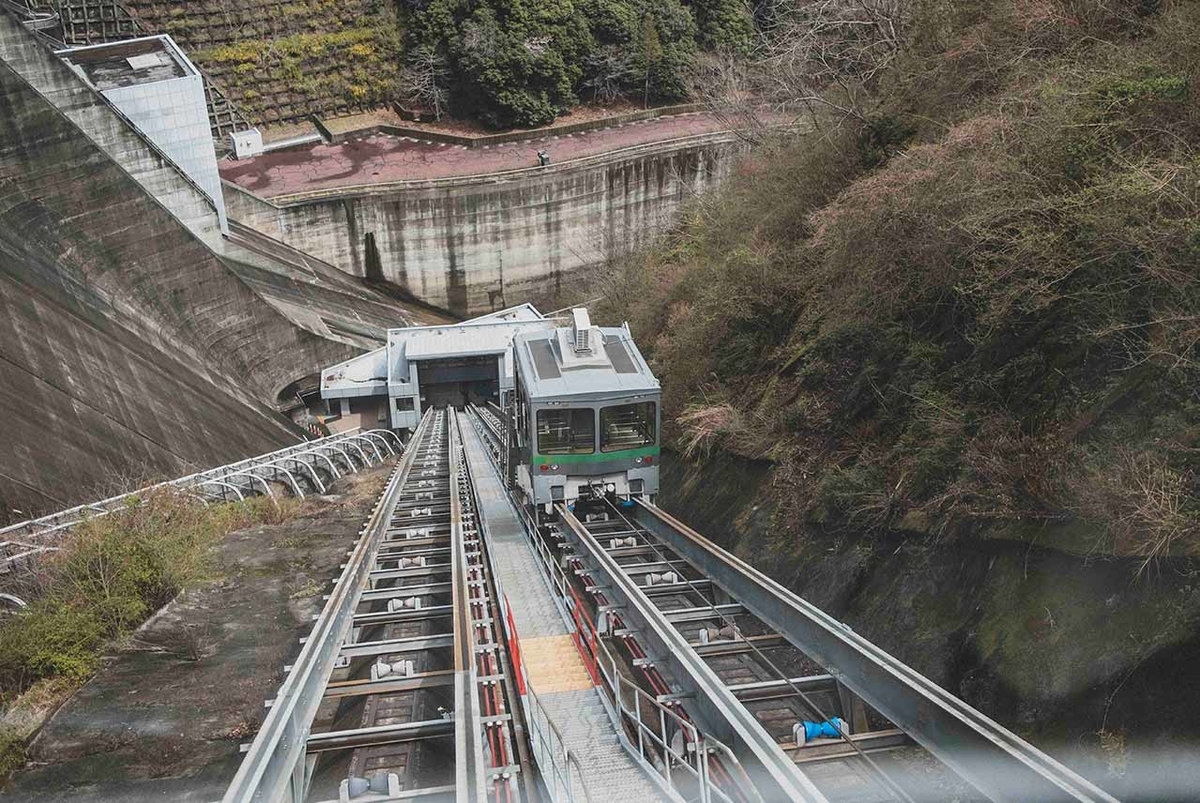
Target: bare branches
<point>609,70</point>
<point>425,80</point>
<point>824,56</point>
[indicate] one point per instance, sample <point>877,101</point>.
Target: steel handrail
<point>569,758</point>
<point>54,521</point>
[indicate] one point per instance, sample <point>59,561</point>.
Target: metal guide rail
<point>384,700</point>
<point>307,465</point>
<point>491,693</point>
<point>748,655</point>
<point>488,423</point>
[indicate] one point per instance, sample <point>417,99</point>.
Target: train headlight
<point>637,460</point>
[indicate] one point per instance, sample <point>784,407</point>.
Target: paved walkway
<point>555,670</point>
<point>383,158</point>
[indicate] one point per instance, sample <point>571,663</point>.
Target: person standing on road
<point>543,158</point>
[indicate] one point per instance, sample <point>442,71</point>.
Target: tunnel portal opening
<point>457,381</point>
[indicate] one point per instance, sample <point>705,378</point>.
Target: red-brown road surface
<point>383,158</point>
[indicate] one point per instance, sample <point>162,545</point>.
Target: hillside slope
<point>936,370</point>
<point>975,314</point>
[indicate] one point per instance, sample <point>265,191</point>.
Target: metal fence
<point>307,465</point>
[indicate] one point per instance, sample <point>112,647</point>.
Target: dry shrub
<point>110,573</point>
<point>937,312</point>
<point>1146,507</point>
<point>703,426</point>
<point>1006,475</point>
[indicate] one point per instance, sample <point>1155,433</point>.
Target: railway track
<point>403,688</point>
<point>751,660</point>
<point>772,680</point>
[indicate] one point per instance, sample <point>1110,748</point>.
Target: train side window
<point>627,426</point>
<point>566,431</point>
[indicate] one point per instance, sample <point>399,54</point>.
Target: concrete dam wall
<point>475,244</point>
<point>127,346</point>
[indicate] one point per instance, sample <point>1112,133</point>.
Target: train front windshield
<point>566,431</point>
<point>627,426</point>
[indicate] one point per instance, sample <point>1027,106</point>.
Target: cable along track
<point>401,690</point>
<point>731,638</point>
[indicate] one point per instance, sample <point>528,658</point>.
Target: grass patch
<point>111,573</point>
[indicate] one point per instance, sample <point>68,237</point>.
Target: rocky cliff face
<point>1089,659</point>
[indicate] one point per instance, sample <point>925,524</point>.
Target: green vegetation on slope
<point>973,309</point>
<point>513,63</point>
<point>110,575</point>
<point>281,60</point>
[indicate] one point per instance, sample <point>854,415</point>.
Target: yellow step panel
<point>553,664</point>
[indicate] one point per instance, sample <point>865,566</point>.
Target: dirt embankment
<point>164,717</point>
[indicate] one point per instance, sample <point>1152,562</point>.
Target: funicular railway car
<point>584,417</point>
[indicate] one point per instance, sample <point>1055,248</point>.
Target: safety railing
<point>561,771</point>
<point>230,482</point>
<point>681,754</point>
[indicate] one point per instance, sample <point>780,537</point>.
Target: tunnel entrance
<point>454,382</point>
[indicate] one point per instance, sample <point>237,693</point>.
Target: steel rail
<point>276,767</point>
<point>780,778</point>
<point>999,763</point>
<point>686,589</point>
<point>469,769</point>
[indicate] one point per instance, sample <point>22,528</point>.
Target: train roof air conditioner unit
<point>582,328</point>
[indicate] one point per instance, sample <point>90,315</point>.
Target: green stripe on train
<point>595,457</point>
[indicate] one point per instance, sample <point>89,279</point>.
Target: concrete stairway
<point>552,664</point>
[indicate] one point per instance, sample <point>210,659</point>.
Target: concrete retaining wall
<point>127,346</point>
<point>475,244</point>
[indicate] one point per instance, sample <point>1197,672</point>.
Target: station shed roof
<point>130,62</point>
<point>466,340</point>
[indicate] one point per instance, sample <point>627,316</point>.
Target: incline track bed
<point>403,683</point>
<point>775,682</point>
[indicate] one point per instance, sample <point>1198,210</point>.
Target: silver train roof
<point>600,363</point>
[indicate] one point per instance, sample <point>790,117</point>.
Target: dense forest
<point>517,62</point>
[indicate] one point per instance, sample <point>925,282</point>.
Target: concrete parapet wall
<point>476,243</point>
<point>557,129</point>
